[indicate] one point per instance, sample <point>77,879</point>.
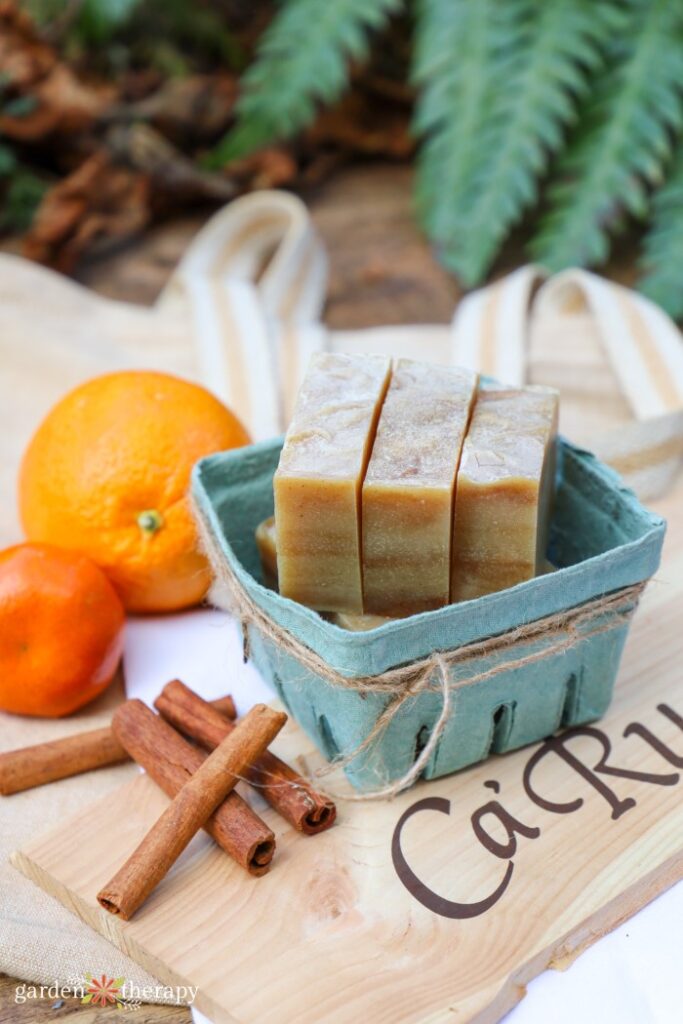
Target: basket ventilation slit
<point>503,719</point>
<point>570,706</point>
<point>420,741</point>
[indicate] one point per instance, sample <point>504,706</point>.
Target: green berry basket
<point>539,656</point>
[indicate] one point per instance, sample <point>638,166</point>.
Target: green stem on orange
<point>150,521</point>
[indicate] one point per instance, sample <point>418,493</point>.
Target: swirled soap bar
<point>408,489</point>
<point>266,542</point>
<point>504,491</point>
<point>318,481</point>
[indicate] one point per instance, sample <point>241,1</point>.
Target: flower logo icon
<point>104,991</point>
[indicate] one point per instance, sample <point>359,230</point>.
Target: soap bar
<point>408,489</point>
<point>504,491</point>
<point>266,542</point>
<point>358,623</point>
<point>318,481</point>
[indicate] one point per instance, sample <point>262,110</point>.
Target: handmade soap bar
<point>318,481</point>
<point>358,623</point>
<point>266,542</point>
<point>408,489</point>
<point>504,491</point>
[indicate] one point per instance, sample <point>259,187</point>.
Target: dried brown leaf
<point>95,206</point>
<point>365,126</point>
<point>31,69</point>
<point>268,168</point>
<point>115,193</point>
<point>189,111</point>
<point>175,177</point>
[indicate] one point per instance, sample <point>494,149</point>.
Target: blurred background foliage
<point>563,115</point>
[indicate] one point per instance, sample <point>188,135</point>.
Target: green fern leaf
<point>533,97</point>
<point>21,200</point>
<point>8,161</point>
<point>623,142</point>
<point>460,47</point>
<point>302,61</point>
<point>98,20</point>
<point>662,260</point>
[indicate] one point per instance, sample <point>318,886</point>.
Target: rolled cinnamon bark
<point>170,761</point>
<point>60,759</point>
<point>226,706</point>
<point>284,789</point>
<point>189,811</point>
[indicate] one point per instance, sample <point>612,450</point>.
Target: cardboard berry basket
<point>490,675</point>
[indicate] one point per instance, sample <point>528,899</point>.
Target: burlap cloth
<point>54,334</point>
<point>40,941</point>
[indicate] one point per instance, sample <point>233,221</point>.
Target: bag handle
<point>254,277</point>
<point>642,344</point>
<point>490,333</point>
<point>490,326</point>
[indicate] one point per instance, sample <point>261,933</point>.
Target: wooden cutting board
<point>440,905</point>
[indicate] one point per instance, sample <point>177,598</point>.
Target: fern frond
<point>532,101</point>
<point>99,19</point>
<point>302,60</point>
<point>623,142</point>
<point>662,259</point>
<point>460,47</point>
<point>20,202</point>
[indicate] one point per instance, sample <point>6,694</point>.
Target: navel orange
<point>61,630</point>
<point>107,473</point>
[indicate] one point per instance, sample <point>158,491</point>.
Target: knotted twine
<point>560,632</point>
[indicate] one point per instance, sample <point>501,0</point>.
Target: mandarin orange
<point>61,635</point>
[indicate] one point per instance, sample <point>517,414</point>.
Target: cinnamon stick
<point>60,759</point>
<point>170,761</point>
<point>284,789</point>
<point>189,811</point>
<point>226,706</point>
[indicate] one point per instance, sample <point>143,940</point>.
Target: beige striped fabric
<point>616,358</point>
<point>254,280</point>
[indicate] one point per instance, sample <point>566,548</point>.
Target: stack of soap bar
<point>504,491</point>
<point>318,481</point>
<point>407,509</point>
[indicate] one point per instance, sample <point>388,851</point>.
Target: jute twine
<point>560,632</point>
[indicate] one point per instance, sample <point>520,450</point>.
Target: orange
<point>108,471</point>
<point>61,630</point>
